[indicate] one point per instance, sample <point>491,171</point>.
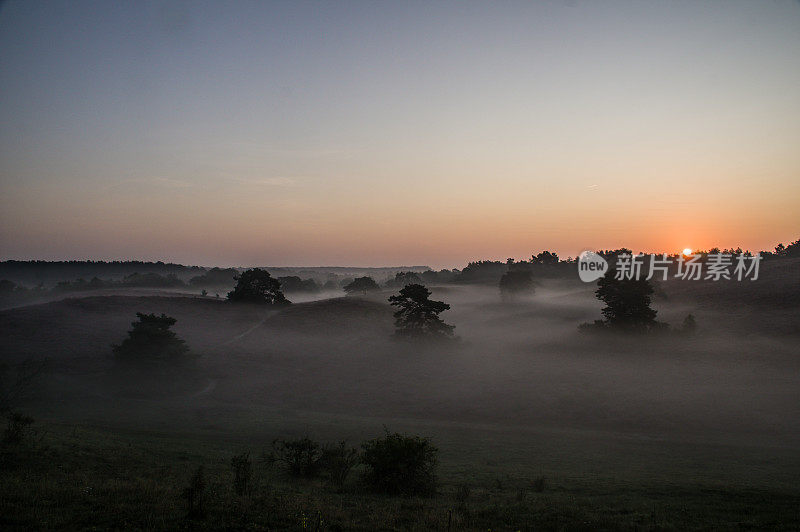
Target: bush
<point>242,468</point>
<point>337,462</point>
<point>303,457</point>
<point>399,464</point>
<point>16,427</point>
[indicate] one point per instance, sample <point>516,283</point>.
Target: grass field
<point>538,427</point>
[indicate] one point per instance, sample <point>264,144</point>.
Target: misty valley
<point>284,405</point>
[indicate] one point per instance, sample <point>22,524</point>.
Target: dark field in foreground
<point>664,433</point>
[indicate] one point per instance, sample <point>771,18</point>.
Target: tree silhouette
<point>417,316</point>
<point>362,285</point>
<point>515,282</point>
<point>257,286</point>
<point>627,303</point>
<point>151,339</point>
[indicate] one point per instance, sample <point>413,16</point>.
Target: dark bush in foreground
<point>338,461</point>
<point>302,457</point>
<point>398,464</point>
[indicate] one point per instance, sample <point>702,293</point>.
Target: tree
<point>151,339</point>
<point>627,304</point>
<point>515,282</point>
<point>627,301</point>
<point>257,286</point>
<point>361,284</point>
<point>545,257</point>
<point>417,316</point>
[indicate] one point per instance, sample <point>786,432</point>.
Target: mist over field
<point>387,266</point>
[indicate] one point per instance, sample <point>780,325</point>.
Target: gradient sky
<point>377,133</point>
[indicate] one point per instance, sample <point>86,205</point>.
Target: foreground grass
<point>69,477</point>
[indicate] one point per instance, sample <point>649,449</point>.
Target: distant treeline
<point>48,273</point>
<point>27,280</point>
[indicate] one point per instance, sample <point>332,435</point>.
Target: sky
<point>395,133</point>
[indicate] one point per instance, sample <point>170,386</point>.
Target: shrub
<point>399,464</point>
<point>16,427</point>
<point>302,456</point>
<point>194,495</point>
<point>242,468</point>
<point>150,338</point>
<point>337,462</point>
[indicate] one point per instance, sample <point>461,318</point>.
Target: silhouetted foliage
<point>361,285</point>
<point>516,282</point>
<point>150,339</point>
<point>302,456</point>
<point>215,277</point>
<point>483,271</point>
<point>257,286</point>
<point>398,464</point>
<point>152,280</point>
<point>295,284</point>
<point>417,315</point>
<point>781,251</point>
<point>337,461</point>
<point>545,258</point>
<point>403,279</point>
<point>627,305</point>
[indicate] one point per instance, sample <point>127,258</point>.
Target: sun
<point>687,251</point>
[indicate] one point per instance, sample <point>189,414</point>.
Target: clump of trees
<point>257,286</point>
<point>361,285</point>
<point>150,339</point>
<point>215,277</point>
<point>417,316</point>
<point>293,283</point>
<point>403,279</point>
